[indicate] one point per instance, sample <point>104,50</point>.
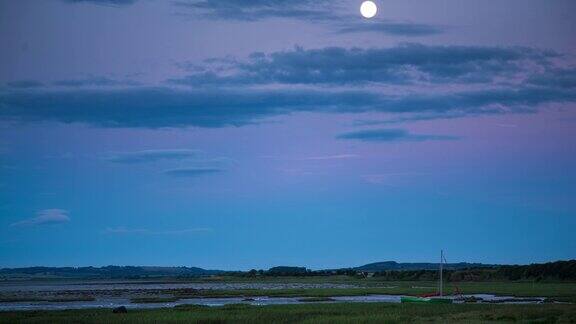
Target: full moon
<point>368,9</point>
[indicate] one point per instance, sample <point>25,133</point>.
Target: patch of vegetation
<point>564,291</point>
<point>154,299</point>
<point>310,313</point>
<point>559,291</point>
<point>552,271</point>
<point>16,299</point>
<point>125,272</point>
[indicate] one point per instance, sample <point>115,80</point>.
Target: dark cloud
<point>164,107</point>
<point>556,77</point>
<point>73,83</point>
<point>392,135</point>
<point>404,118</point>
<point>94,81</point>
<point>105,2</point>
<point>198,163</point>
<point>253,10</point>
<point>191,172</point>
<point>247,4</point>
<point>404,64</point>
<point>235,93</point>
<point>153,156</point>
<point>504,100</point>
<point>25,84</point>
<point>393,28</point>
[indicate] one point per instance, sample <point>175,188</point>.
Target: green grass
<point>155,299</point>
<point>557,291</point>
<point>15,299</point>
<point>562,291</point>
<point>332,313</point>
<point>311,313</point>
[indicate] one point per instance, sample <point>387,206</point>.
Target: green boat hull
<point>421,300</point>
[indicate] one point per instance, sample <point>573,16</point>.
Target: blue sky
<point>238,134</point>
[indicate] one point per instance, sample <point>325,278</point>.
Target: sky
<point>240,134</point>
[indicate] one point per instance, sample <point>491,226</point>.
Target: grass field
<point>311,313</point>
<point>558,291</point>
<point>45,299</point>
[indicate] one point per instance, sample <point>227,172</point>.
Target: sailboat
<point>439,299</point>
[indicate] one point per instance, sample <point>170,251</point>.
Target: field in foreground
<point>565,291</point>
<point>557,291</point>
<point>311,313</point>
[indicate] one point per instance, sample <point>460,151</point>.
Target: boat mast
<point>441,260</point>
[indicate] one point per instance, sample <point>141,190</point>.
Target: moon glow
<point>368,9</point>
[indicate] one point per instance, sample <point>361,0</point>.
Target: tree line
<point>560,270</point>
<point>553,271</point>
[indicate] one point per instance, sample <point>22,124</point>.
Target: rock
<point>120,310</point>
<point>469,299</point>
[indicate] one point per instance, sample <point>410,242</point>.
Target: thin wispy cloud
<point>188,163</point>
<point>329,157</point>
<point>256,10</point>
<point>405,118</point>
<point>507,125</point>
<point>141,231</point>
<point>25,84</point>
<point>326,157</point>
<point>95,82</point>
<point>392,135</point>
<point>387,178</point>
<point>146,156</point>
<point>110,3</point>
<point>329,13</point>
<point>45,217</point>
<point>393,28</point>
<point>192,172</point>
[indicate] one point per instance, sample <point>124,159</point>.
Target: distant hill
<point>395,266</point>
<point>108,272</point>
<point>283,270</point>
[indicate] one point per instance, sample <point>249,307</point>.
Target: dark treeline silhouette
<point>392,265</point>
<point>113,272</point>
<point>552,271</point>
